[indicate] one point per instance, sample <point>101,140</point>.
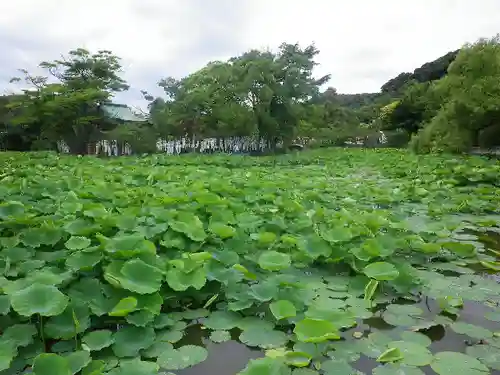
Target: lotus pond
<point>331,262</point>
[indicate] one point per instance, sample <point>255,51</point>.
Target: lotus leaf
<point>283,309</point>
<point>266,366</point>
<point>98,340</point>
<point>45,300</point>
<point>51,364</point>
<point>128,341</point>
<point>315,330</point>
<point>381,271</point>
<point>452,363</point>
<point>220,320</point>
<point>471,330</point>
<point>274,261</point>
<point>184,357</point>
<point>263,338</point>
<point>220,336</point>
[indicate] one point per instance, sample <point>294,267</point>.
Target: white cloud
<point>363,43</point>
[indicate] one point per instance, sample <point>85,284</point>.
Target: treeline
<point>445,105</point>
<point>452,111</point>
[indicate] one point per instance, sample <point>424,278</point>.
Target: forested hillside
<point>449,104</point>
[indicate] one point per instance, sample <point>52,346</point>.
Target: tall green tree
<point>258,93</point>
<point>65,103</point>
<point>468,98</point>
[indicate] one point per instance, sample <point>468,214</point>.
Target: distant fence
<point>230,145</point>
<point>181,146</point>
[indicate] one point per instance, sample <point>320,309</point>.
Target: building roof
<point>121,112</point>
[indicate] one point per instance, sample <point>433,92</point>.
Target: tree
<point>468,98</point>
<point>259,93</point>
<point>411,111</point>
<point>65,104</point>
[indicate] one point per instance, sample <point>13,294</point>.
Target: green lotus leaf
<point>221,230</point>
<point>128,341</point>
<point>263,338</point>
<point>348,351</point>
<point>315,330</point>
<point>165,320</point>
<point>334,367</point>
<point>461,249</point>
<point>452,363</point>
<point>494,316</point>
<point>78,360</point>
<point>81,260</point>
<point>265,366</point>
<point>74,320</point>
<point>274,261</point>
<point>220,336</point>
<point>316,247</point>
<point>170,335</point>
<point>81,227</point>
<point>11,209</point>
<point>283,309</point>
<point>221,320</point>
<point>45,300</point>
<point>396,369</point>
<point>264,291</point>
<point>390,355</point>
<point>416,337</point>
<point>35,237</point>
<point>140,318</point>
<point>413,354</point>
<point>77,243</point>
<point>190,225</point>
<point>124,307</point>
<point>471,330</point>
<point>341,318</point>
<point>51,364</point>
<point>264,238</point>
<point>180,281</point>
<point>374,345</point>
<point>8,352</point>
<point>136,367</point>
<point>487,354</point>
<point>19,335</point>
<point>94,368</point>
<point>130,245</point>
<point>184,357</point>
<point>297,359</point>
<point>90,292</point>
<point>155,350</point>
<point>140,277</point>
<point>337,234</point>
<point>97,340</point>
<point>251,322</point>
<point>381,271</point>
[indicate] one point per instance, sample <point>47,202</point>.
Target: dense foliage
<point>459,111</point>
<point>450,104</point>
<point>106,264</point>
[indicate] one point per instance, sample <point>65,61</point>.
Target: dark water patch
<point>227,358</point>
<point>377,323</point>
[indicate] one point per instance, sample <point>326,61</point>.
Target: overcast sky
<point>363,43</point>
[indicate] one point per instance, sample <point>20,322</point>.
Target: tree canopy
<point>449,104</point>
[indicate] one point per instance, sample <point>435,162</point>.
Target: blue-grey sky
<point>363,43</point>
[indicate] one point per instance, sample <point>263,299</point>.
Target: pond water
<point>230,357</point>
